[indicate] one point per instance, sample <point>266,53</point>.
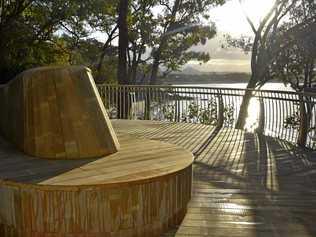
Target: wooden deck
<point>244,184</point>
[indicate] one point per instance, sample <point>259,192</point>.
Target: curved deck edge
<point>140,206</point>
<point>147,209</point>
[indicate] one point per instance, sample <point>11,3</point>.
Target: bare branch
<point>111,37</point>
<point>248,18</point>
<point>268,16</point>
<point>165,5</point>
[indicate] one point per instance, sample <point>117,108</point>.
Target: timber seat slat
<point>140,161</point>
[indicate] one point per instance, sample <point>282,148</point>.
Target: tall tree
<point>266,45</point>
<point>106,22</point>
<point>142,25</point>
<point>122,76</point>
<point>123,42</point>
<point>296,64</point>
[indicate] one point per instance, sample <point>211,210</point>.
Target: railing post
<point>220,115</point>
<point>177,106</point>
<point>304,123</point>
<point>122,102</point>
<point>119,103</point>
<point>261,121</point>
<point>147,103</point>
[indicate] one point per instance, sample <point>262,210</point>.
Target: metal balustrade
<point>289,116</point>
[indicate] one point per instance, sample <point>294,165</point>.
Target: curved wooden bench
<point>89,185</point>
<point>142,190</point>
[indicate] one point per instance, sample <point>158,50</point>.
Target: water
<point>276,112</point>
<point>268,86</point>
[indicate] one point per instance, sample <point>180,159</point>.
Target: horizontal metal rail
<point>286,115</point>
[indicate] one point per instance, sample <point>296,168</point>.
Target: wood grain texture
<point>142,190</point>
<point>56,112</point>
<point>244,184</point>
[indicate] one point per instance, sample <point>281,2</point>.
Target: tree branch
<point>248,18</point>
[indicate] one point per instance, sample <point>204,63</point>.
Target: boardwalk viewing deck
<point>67,171</point>
<point>244,184</point>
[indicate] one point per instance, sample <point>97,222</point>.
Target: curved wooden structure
<point>88,187</point>
<point>56,112</point>
<point>142,190</point>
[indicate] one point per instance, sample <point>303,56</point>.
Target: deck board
<point>244,184</point>
<point>134,162</point>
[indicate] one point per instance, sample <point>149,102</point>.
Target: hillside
<point>205,78</point>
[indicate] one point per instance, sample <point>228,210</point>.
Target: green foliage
<point>58,32</point>
<point>209,115</point>
<point>177,52</point>
<point>169,34</point>
<point>193,113</point>
<point>31,33</point>
<point>293,121</point>
<point>107,71</point>
<point>168,112</point>
<point>228,115</point>
<point>179,26</point>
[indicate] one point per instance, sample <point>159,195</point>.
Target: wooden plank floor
<point>133,163</point>
<point>244,184</point>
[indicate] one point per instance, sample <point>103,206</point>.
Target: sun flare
<point>257,9</point>
<point>230,17</point>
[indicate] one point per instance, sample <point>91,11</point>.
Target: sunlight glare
<point>253,115</point>
<point>257,9</point>
<point>229,18</point>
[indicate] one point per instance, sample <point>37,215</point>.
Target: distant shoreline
<point>207,78</point>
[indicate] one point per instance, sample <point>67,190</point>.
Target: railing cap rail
<point>311,94</point>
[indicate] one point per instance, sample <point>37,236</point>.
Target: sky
<point>230,19</point>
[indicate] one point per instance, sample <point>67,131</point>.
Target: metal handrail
<point>214,88</point>
<point>283,114</point>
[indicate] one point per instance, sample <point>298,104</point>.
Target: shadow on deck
<point>244,184</point>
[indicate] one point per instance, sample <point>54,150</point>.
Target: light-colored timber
<point>244,184</point>
<point>88,187</point>
<point>56,112</point>
<point>141,190</point>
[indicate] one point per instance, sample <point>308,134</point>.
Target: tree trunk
<point>123,42</point>
<point>99,65</point>
<point>133,69</point>
<point>147,104</point>
<point>305,117</point>
<point>163,40</point>
<point>255,67</point>
<point>153,77</point>
<point>261,123</point>
<point>243,113</point>
<point>155,66</point>
<point>103,53</point>
<point>122,60</point>
<point>220,114</point>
